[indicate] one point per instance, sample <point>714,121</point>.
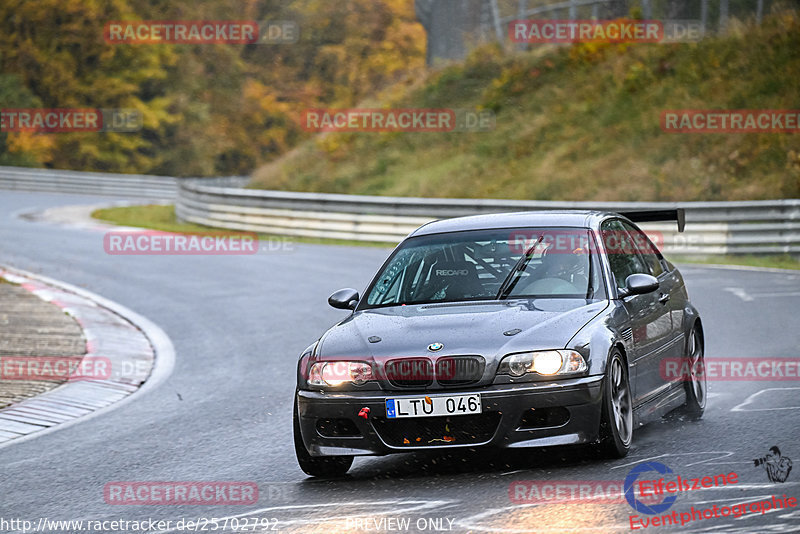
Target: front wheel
<point>616,424</point>
<point>695,383</point>
<point>317,466</point>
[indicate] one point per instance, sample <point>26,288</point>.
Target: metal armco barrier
<point>89,183</point>
<point>755,227</point>
<point>712,228</point>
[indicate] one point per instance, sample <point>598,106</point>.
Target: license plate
<point>433,406</point>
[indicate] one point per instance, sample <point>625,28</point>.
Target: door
<point>672,294</point>
<point>649,314</point>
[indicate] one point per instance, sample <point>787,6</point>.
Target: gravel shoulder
<point>36,331</point>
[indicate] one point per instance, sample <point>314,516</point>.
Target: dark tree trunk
<point>680,9</point>
<point>618,8</point>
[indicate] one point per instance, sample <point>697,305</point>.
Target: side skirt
<point>660,405</point>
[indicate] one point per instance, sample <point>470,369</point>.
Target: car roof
<point>523,219</point>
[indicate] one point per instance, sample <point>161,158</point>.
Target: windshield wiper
<point>508,284</point>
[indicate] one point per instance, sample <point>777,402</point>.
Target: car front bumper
<point>542,414</point>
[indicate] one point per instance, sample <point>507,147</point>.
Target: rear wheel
<point>616,424</point>
<point>317,466</point>
<point>695,384</point>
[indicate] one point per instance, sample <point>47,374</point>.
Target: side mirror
<point>639,284</point>
<point>345,299</point>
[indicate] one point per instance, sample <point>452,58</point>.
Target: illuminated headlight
<point>337,373</point>
<point>546,362</point>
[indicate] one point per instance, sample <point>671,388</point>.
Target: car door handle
<point>663,298</point>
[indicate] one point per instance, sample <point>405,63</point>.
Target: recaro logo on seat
<point>452,272</point>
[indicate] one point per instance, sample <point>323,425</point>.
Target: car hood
<point>462,328</point>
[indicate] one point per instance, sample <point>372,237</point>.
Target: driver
<point>560,273</point>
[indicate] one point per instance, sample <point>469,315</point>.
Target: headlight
<point>360,373</point>
<point>337,373</point>
<point>546,362</point>
<point>518,364</point>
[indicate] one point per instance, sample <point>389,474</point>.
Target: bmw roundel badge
<point>433,347</point>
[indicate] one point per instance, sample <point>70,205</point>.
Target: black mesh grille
<point>437,431</point>
<point>459,370</point>
<point>409,372</point>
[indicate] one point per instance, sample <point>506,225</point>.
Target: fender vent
<point>627,334</point>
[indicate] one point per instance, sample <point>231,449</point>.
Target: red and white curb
<point>140,353</point>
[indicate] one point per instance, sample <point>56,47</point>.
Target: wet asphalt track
<point>238,323</point>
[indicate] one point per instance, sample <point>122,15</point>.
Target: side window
<point>646,248</point>
<point>622,256</point>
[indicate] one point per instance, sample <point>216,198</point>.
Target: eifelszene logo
<point>630,496</point>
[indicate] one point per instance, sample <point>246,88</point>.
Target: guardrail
<point>753,227</point>
<point>453,28</point>
<point>89,183</point>
<point>757,227</point>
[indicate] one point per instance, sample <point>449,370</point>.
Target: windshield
<point>490,265</point>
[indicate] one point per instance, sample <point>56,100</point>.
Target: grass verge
<point>162,217</point>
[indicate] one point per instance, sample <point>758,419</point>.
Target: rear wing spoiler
<point>678,215</point>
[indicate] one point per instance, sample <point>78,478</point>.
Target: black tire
<point>696,384</point>
<point>616,422</point>
<point>317,466</point>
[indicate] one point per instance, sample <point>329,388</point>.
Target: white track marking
<point>397,508</point>
<point>749,400</point>
<point>470,523</point>
<point>720,454</point>
<point>739,292</point>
